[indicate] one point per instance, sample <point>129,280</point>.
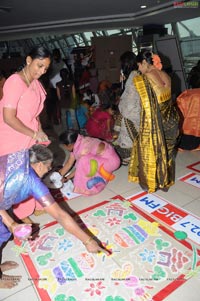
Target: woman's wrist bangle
<point>34,135</point>
<point>88,241</point>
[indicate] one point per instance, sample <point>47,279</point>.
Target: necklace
<point>26,77</point>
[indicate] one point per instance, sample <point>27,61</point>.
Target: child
<point>101,123</point>
<point>83,112</point>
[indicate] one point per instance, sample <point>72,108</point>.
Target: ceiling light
<point>143,6</point>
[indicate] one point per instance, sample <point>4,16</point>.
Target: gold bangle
<point>88,241</point>
<point>34,135</point>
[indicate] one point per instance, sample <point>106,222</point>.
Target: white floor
<point>181,194</point>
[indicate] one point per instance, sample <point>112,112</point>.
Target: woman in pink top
<point>22,102</point>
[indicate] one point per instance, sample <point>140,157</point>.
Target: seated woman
<point>101,122</point>
<point>95,162</point>
<point>19,180</point>
<point>189,105</point>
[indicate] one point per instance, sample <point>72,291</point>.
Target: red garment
<point>97,125</point>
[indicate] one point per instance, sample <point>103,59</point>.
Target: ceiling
<point>22,18</point>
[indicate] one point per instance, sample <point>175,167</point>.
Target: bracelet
<point>34,135</point>
<point>88,241</point>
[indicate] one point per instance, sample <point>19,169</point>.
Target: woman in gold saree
<point>152,162</point>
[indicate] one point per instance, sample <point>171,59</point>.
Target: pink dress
<point>93,171</point>
<point>28,102</point>
<point>96,125</point>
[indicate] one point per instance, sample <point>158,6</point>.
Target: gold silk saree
<point>152,163</point>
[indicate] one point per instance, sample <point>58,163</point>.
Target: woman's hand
<point>13,226</point>
<point>93,247</point>
<point>41,137</point>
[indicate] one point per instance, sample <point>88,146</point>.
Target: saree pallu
<point>152,162</point>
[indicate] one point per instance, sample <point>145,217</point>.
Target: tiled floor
<point>181,194</point>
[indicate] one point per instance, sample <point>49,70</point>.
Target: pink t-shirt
<point>28,102</point>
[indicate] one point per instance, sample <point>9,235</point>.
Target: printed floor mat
<point>195,166</point>
<point>148,260</point>
<point>191,179</point>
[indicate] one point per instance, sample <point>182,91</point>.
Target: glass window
<point>189,28</point>
<point>190,42</point>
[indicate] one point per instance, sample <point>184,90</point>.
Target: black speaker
<point>154,29</point>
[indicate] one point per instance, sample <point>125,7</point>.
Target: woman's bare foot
<point>8,281</point>
<point>8,265</point>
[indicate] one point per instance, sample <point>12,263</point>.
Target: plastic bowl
<point>22,231</point>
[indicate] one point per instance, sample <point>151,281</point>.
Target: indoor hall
<point>154,238</point>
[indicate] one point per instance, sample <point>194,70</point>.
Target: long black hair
<point>68,137</point>
<point>144,55</point>
<point>128,62</point>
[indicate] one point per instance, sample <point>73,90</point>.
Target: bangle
<point>88,241</point>
<point>34,135</point>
